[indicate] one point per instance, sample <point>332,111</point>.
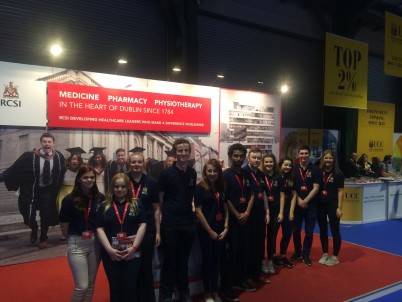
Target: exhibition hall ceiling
<point>97,33</point>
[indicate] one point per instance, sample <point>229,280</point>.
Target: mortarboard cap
<point>137,149</point>
<point>169,153</point>
<point>75,150</point>
<point>97,150</point>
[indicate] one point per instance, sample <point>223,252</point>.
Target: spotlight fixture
<point>122,61</point>
<point>56,50</point>
<point>284,88</point>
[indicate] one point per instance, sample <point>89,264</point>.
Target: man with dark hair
<point>119,165</point>
<point>386,167</point>
<point>176,185</point>
<point>307,178</point>
<point>240,197</point>
<point>38,175</point>
<point>352,168</point>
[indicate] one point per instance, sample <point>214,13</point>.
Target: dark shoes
<point>277,262</point>
<point>307,260</point>
<point>228,294</point>
<point>295,257</point>
<point>244,287</point>
<point>34,236</point>
<point>286,262</point>
<point>264,280</point>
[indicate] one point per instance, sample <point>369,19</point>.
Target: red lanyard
<point>303,176</point>
<point>86,212</point>
<point>217,199</point>
<point>241,184</point>
<point>255,179</point>
<point>269,185</point>
<point>135,194</point>
<point>121,220</point>
<point>326,180</point>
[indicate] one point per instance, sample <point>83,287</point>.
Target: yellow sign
<point>393,45</point>
<point>352,206</point>
<point>346,65</point>
<point>376,129</point>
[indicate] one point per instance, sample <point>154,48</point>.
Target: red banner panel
<point>78,106</point>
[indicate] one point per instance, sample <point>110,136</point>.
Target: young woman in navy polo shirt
<point>276,202</point>
<point>212,212</point>
<point>330,205</point>
<point>77,222</point>
<point>146,189</point>
<point>286,171</point>
<point>121,227</point>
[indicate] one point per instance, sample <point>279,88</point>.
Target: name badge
<point>270,198</point>
<point>260,195</point>
<point>86,235</point>
<point>218,217</point>
<point>242,200</point>
<point>121,236</point>
<point>303,188</point>
<point>324,193</point>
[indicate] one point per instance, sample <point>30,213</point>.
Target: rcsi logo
<point>10,96</point>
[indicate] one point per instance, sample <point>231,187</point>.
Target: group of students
<point>238,213</point>
<point>260,197</point>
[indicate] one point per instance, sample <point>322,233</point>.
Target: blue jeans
<point>309,216</point>
<point>83,257</point>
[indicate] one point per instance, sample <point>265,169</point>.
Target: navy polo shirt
<point>305,179</point>
<point>330,183</point>
<point>258,186</point>
<point>287,189</point>
<point>76,218</point>
<point>109,221</point>
<point>274,187</point>
<point>208,201</point>
<point>178,188</point>
<point>148,195</point>
<point>237,187</point>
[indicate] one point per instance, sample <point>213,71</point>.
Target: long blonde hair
<point>132,202</point>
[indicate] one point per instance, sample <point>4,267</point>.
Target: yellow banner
<point>346,65</point>
<point>376,129</point>
<point>393,45</point>
<point>352,206</point>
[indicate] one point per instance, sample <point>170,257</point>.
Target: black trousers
<point>328,209</point>
<point>122,277</point>
<point>176,248</point>
<point>43,202</point>
<point>211,255</point>
<point>236,254</point>
<point>287,229</point>
<point>146,291</point>
<point>257,227</point>
<point>272,230</point>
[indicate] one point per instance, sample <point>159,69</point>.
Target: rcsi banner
<point>78,106</point>
<point>393,45</point>
<point>346,65</point>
